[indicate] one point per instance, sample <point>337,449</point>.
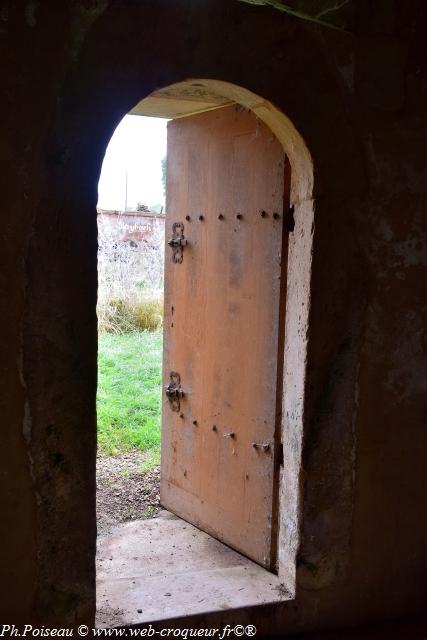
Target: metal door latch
<point>177,242</point>
<point>174,392</point>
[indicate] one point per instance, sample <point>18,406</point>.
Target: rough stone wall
<point>359,101</point>
<point>132,225</point>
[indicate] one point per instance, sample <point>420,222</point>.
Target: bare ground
<point>124,490</point>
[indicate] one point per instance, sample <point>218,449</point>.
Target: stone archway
<point>119,62</point>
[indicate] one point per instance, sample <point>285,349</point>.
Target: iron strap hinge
<point>177,242</point>
<point>174,391</point>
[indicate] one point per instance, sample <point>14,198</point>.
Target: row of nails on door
<point>239,216</point>
<point>264,446</point>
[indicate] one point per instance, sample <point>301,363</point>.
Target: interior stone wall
<point>358,100</point>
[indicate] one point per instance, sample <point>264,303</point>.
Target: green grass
<point>129,393</point>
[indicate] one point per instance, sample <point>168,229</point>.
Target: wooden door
<point>223,328</point>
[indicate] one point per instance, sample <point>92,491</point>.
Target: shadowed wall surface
<point>358,101</point>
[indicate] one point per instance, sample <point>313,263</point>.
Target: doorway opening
<point>228,217</point>
<point>131,226</point>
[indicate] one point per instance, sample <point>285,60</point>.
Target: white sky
<point>137,146</point>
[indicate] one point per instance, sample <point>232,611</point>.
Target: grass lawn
<point>129,393</point>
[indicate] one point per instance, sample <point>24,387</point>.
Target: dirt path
<point>124,491</point>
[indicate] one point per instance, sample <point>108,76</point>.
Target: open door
<point>225,274</point>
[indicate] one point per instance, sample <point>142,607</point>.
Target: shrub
<point>130,282</point>
<point>118,315</point>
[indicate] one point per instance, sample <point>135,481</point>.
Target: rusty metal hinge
<point>173,391</point>
<point>177,242</point>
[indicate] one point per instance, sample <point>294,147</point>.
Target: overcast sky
<point>136,147</point>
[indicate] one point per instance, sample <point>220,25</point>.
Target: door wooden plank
<point>221,327</point>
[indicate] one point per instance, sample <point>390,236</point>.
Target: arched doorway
<point>229,224</point>
<point>111,68</point>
